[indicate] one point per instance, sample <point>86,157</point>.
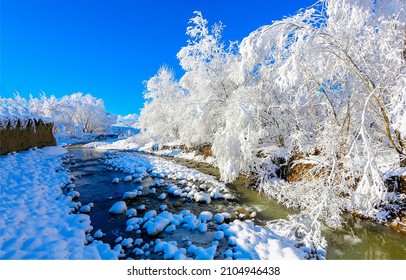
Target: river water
<point>356,240</point>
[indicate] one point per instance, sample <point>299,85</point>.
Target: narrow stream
<point>356,240</point>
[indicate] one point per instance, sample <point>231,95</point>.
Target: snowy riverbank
<point>36,217</point>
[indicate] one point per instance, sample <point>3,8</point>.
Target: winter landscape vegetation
<point>287,144</point>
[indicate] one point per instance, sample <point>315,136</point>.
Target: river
<point>356,240</point>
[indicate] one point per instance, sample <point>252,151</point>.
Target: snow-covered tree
<point>76,113</point>
<point>208,81</point>
<point>324,89</point>
<point>161,115</point>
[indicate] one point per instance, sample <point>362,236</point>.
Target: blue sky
<point>108,48</point>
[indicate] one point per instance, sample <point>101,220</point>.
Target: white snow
<point>16,109</point>
<point>202,197</point>
<point>156,225</point>
<point>202,253</point>
<point>35,217</point>
<point>218,218</point>
<point>74,194</point>
<point>119,207</point>
<point>202,227</point>
<point>128,178</point>
<point>162,196</point>
<point>149,214</point>
<point>85,209</point>
<point>130,195</point>
<point>205,216</point>
<point>189,221</point>
<point>127,242</point>
<point>134,221</point>
<point>131,212</point>
<point>141,207</point>
<point>170,228</point>
<point>219,235</point>
<point>226,216</point>
<point>98,234</point>
<point>138,241</point>
<point>138,251</point>
<point>168,248</point>
<point>260,243</point>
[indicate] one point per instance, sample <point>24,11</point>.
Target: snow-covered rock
<point>202,197</point>
<point>264,244</point>
<point>130,195</point>
<point>168,248</point>
<point>218,218</point>
<point>98,234</point>
<point>138,251</point>
<point>85,209</point>
<point>219,235</point>
<point>156,226</point>
<point>138,241</point>
<point>170,228</point>
<point>141,207</point>
<point>120,207</point>
<point>128,178</point>
<point>127,242</point>
<point>149,214</point>
<point>131,212</point>
<point>202,227</point>
<point>205,216</point>
<point>162,196</point>
<point>74,194</point>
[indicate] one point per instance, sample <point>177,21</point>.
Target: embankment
<point>18,135</point>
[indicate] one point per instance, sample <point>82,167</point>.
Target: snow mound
<point>128,178</point>
<point>120,207</point>
<point>156,225</point>
<point>130,195</point>
<point>205,216</point>
<point>131,212</point>
<point>260,243</point>
<point>202,197</point>
<point>162,196</point>
<point>218,218</point>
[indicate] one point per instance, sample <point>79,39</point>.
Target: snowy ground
<point>36,217</point>
<point>131,143</point>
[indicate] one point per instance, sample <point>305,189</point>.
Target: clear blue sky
<point>108,48</point>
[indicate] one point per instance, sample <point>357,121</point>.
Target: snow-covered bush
<point>161,116</point>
